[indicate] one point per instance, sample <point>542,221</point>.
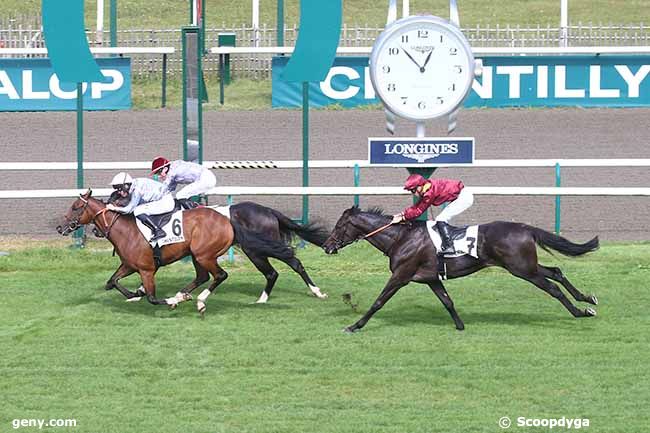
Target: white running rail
<point>349,191</point>
<point>340,191</point>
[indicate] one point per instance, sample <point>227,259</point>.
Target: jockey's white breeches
<point>205,183</point>
<point>464,200</point>
<point>165,204</point>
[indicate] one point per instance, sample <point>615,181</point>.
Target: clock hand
<point>426,61</point>
<point>413,60</point>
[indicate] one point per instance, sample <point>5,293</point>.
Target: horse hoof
<point>315,291</point>
<point>108,287</point>
<point>349,330</point>
<point>593,300</point>
<point>183,297</point>
<point>590,312</point>
<point>461,327</point>
<point>134,299</point>
<point>173,306</point>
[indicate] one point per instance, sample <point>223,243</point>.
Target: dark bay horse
<point>272,225</point>
<point>278,227</point>
<point>208,235</point>
<point>413,257</point>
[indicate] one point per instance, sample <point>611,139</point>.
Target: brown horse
<point>413,257</point>
<point>274,226</point>
<point>208,235</point>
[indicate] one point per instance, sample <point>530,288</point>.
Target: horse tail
<point>312,232</point>
<point>259,242</point>
<point>548,241</point>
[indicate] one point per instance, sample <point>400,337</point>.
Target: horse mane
<point>376,210</point>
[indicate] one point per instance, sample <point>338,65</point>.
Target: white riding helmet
<point>121,178</point>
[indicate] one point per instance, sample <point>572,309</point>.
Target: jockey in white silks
<point>199,179</point>
<point>148,197</point>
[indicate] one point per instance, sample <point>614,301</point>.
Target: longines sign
<point>507,81</point>
<point>420,151</point>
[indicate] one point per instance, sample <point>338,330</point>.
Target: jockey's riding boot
<point>447,246</point>
<point>158,233</point>
<point>187,203</point>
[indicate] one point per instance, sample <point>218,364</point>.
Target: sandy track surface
<point>500,134</point>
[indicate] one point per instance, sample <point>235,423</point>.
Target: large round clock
<point>422,67</point>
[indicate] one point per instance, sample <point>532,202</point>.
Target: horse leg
<point>219,277</point>
<point>202,276</point>
<point>557,275</point>
<point>149,284</point>
<point>394,283</point>
<point>437,288</point>
<point>552,289</point>
<point>297,266</point>
<point>262,264</point>
<point>121,272</point>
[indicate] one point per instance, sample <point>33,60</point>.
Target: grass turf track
<point>72,350</point>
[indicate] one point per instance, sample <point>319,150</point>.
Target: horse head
<point>346,231</point>
<point>78,214</point>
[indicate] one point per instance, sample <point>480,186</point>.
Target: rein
<point>108,226</point>
<point>374,232</point>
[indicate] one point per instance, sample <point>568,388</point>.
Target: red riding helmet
<point>413,181</point>
<point>158,164</point>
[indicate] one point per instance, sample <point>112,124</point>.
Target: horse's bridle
<point>108,226</point>
<point>74,223</point>
<point>338,244</point>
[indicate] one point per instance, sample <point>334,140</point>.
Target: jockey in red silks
<point>198,179</point>
<point>436,192</point>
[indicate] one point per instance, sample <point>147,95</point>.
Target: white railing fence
<point>356,190</point>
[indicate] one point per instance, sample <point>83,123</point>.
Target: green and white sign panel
<point>517,81</point>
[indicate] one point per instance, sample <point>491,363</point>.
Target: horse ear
<point>87,193</point>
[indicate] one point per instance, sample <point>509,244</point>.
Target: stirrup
<point>158,234</point>
<point>447,249</point>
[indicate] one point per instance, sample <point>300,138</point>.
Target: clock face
<point>422,67</point>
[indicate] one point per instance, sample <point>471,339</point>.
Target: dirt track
<point>141,135</point>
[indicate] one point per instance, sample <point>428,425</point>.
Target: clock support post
<point>423,171</point>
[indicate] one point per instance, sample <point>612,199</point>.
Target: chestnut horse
<point>208,235</point>
<point>274,226</point>
<point>413,257</point>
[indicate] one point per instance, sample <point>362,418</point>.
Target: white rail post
<point>99,38</point>
<point>564,23</point>
<point>256,23</point>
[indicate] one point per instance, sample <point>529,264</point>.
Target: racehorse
<point>208,235</point>
<point>278,227</point>
<point>273,225</point>
<point>413,257</point>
